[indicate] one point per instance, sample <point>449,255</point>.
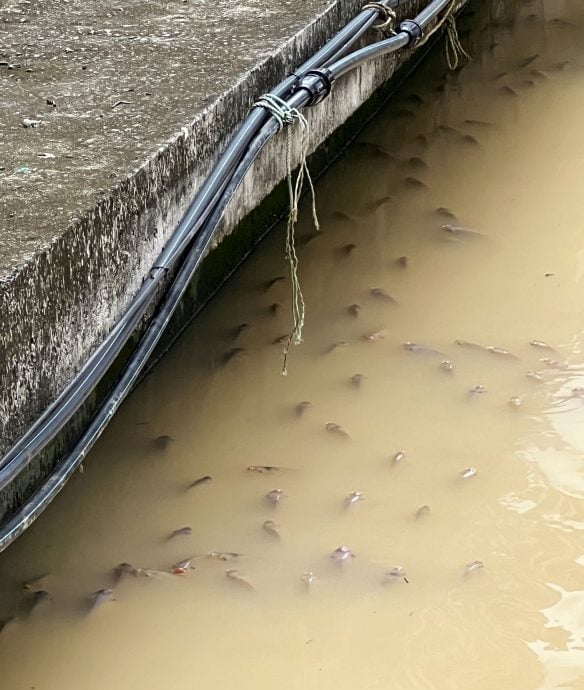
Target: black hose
<point>56,416</point>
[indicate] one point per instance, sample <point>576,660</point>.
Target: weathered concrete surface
<point>83,228</point>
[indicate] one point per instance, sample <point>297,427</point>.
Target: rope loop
<point>386,14</point>
<point>454,48</point>
<point>284,116</point>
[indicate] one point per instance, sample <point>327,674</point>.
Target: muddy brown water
<point>517,622</point>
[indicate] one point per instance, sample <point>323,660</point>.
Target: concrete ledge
<point>59,298</point>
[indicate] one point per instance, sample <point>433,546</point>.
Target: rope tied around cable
<point>454,49</point>
<point>387,16</point>
<point>286,116</point>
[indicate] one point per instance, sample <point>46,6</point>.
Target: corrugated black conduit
<point>307,86</point>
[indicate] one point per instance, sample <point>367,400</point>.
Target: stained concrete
<point>135,100</point>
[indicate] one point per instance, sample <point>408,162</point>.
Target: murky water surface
<point>500,145</point>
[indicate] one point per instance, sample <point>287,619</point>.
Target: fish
<point>263,469</point>
<point>376,335</point>
<point>354,309</point>
<point>528,60</point>
<point>469,139</point>
<point>336,346</point>
<point>417,162</point>
<point>273,308</point>
<point>308,578</point>
<point>336,429</point>
<point>230,354</point>
<point>459,230</point>
<point>342,554</point>
<point>271,528</point>
<point>447,365</point>
<point>181,567</point>
<point>421,349</point>
<point>422,510</point>
<point>381,293</point>
<point>347,248</point>
<point>396,573</point>
<point>402,261</point>
<point>540,74</point>
<point>354,497</point>
<point>477,390</point>
<point>207,479</point>
<point>445,213</point>
<point>236,576</point>
<point>541,344</point>
<point>37,584</point>
<point>508,91</point>
<point>162,442</point>
<point>32,603</point>
<point>376,149</point>
<point>515,401</point>
<point>473,566</point>
<point>468,473</point>
<point>534,375</point>
<point>224,555</point>
<point>238,330</point>
<point>302,407</point>
<point>340,215</point>
<point>102,596</point>
<point>447,129</point>
<point>357,379</point>
<point>399,457</point>
<point>467,344</point>
<point>479,123</point>
<point>378,203</point>
<point>281,339</point>
<point>414,98</point>
<point>500,351</point>
<point>270,283</point>
<point>181,532</point>
<point>275,496</point>
<point>415,183</point>
<point>578,392</point>
<point>128,569</point>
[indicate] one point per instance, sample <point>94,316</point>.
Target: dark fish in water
<point>336,429</point>
<point>508,91</point>
<point>402,261</point>
<point>97,599</point>
<point>422,349</point>
<point>421,139</point>
<point>357,380</point>
<point>528,82</point>
<point>340,215</point>
<point>273,308</point>
<point>541,344</point>
<point>271,528</point>
<point>263,469</point>
<point>376,335</point>
<point>281,339</point>
<point>207,479</point>
<point>181,532</point>
<point>445,212</point>
<point>275,496</point>
<point>477,390</point>
<point>33,602</point>
<point>417,163</point>
<point>230,354</point>
<point>447,365</point>
<point>239,330</point>
<point>540,74</point>
<point>6,621</point>
<point>183,566</point>
<point>342,554</point>
<point>162,442</point>
<point>37,584</point>
<point>305,240</point>
<point>395,574</point>
<point>501,351</point>
<point>467,344</point>
<point>422,510</point>
<point>378,203</point>
<point>534,375</point>
<point>381,293</point>
<point>354,497</point>
<point>414,98</point>
<point>236,576</point>
<point>459,230</point>
<point>479,123</point>
<point>224,555</point>
<point>473,567</point>
<point>336,346</point>
<point>273,281</point>
<point>375,149</point>
<point>447,129</point>
<point>415,183</point>
<point>528,60</point>
<point>354,309</point>
<point>469,139</point>
<point>129,569</point>
<point>302,407</point>
<point>347,248</point>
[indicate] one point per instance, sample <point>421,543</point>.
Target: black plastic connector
<point>318,83</point>
<point>413,30</point>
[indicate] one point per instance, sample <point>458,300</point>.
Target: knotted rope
<point>387,15</point>
<point>284,116</point>
<point>454,49</point>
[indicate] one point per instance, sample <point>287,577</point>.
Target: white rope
<point>387,15</point>
<point>285,115</point>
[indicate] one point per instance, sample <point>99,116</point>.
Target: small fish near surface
<point>162,442</point>
<point>382,294</point>
<point>99,598</point>
<point>128,569</point>
<point>353,498</point>
<point>354,309</point>
<point>342,554</point>
<point>181,532</point>
<point>356,380</point>
<point>182,567</point>
<point>37,584</point>
<point>515,401</point>
<point>476,391</point>
<point>275,496</point>
<point>308,578</point>
<point>422,511</point>
<point>376,335</point>
<point>540,344</point>
<point>396,574</point>
<point>460,231</point>
<point>201,481</point>
<point>270,527</point>
<point>231,354</point>
<point>33,603</point>
<point>235,576</point>
<point>473,567</point>
<point>500,351</point>
<point>421,349</point>
<point>302,407</point>
<point>446,365</point>
<point>336,429</point>
<point>224,555</point>
<point>468,473</point>
<point>263,469</point>
<point>399,457</point>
